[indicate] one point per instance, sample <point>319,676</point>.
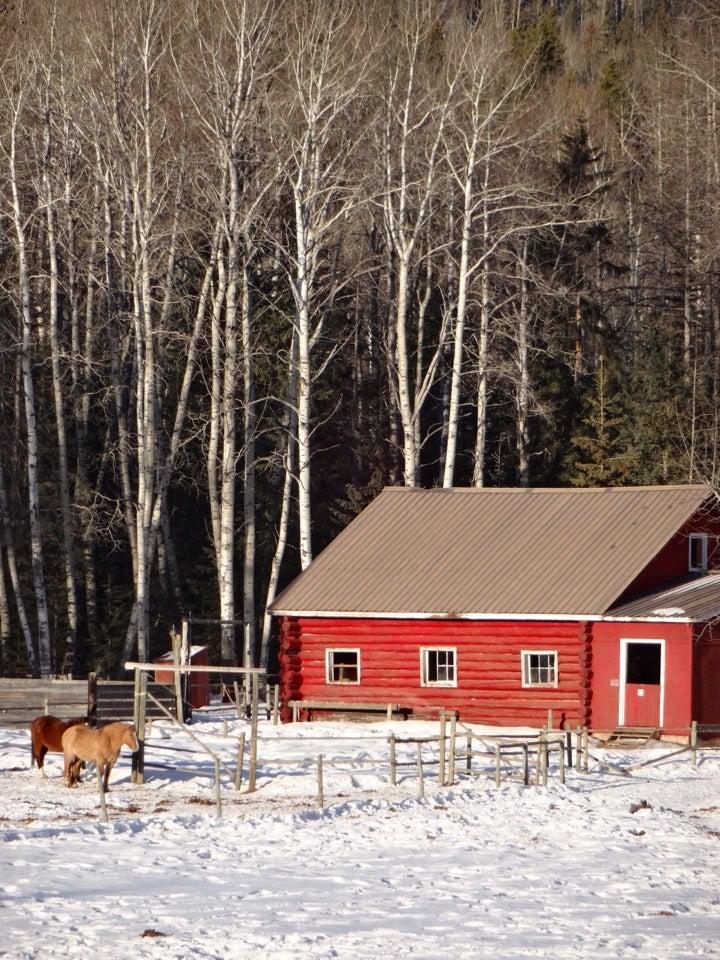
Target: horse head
<point>130,739</point>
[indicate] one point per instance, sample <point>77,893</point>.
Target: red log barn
<point>600,604</point>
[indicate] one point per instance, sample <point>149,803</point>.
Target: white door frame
<point>624,641</point>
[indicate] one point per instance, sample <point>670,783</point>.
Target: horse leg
<point>67,769</point>
<point>106,776</point>
<point>41,758</point>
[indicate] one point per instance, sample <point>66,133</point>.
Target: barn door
<point>643,683</point>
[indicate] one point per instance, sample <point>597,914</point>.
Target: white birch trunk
<point>36,547</point>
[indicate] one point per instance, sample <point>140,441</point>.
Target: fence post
<point>585,752</point>
<point>321,795</point>
<point>101,788</point>
<point>236,690</point>
<point>239,762</point>
<point>393,764</point>
<point>526,764</point>
<point>140,729</point>
<point>441,751</point>
<point>561,758</point>
<point>545,761</point>
<point>550,720</point>
<point>46,707</point>
<point>218,796</point>
<point>176,652</point>
<point>276,704</point>
<point>693,743</point>
<point>568,747</point>
<point>253,734</point>
<point>497,764</point>
<point>92,699</point>
<point>421,779</point>
<point>468,753</point>
<point>451,761</point>
<point>578,748</point>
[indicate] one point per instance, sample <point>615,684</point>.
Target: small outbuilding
<point>199,695</point>
<point>601,604</point>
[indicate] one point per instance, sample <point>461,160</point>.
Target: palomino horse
<point>101,746</point>
<point>46,736</point>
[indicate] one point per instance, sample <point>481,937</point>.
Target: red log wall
<point>489,688</point>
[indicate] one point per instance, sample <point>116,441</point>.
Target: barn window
<point>342,666</point>
<point>539,668</point>
<point>437,667</point>
<point>698,553</point>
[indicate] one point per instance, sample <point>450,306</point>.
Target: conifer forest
<point>260,258</point>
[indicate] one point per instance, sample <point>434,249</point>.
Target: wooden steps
<point>628,737</point>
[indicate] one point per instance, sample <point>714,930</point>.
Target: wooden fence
<point>21,700</point>
<point>101,701</point>
<point>110,700</point>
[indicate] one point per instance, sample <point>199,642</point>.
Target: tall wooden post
<point>497,764</point>
<point>578,748</point>
<point>253,733</point>
<point>177,653</point>
<point>140,729</point>
<point>276,704</point>
<point>468,753</point>
<point>526,764</point>
<point>393,762</point>
<point>441,751</point>
<point>451,763</point>
<point>693,743</point>
<point>239,762</point>
<point>92,699</point>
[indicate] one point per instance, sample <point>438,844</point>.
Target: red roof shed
<point>199,682</point>
<point>596,603</point>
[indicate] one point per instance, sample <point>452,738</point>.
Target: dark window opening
<point>343,666</point>
<point>643,663</point>
<point>698,552</point>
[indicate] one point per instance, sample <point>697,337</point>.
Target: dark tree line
<point>261,258</point>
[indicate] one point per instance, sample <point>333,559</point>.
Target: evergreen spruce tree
<point>600,455</point>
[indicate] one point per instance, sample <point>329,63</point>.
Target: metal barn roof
<point>469,552</point>
<point>695,600</point>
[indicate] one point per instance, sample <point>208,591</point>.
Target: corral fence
<point>23,699</point>
<point>99,701</point>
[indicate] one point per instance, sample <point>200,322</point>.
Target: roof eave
<point>534,617</point>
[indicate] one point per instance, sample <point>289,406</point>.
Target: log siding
<point>488,666</point>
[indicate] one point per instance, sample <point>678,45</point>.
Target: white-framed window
<point>697,552</point>
<point>342,665</point>
<point>539,668</point>
<point>438,667</point>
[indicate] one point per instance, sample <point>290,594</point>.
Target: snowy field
<point>379,874</point>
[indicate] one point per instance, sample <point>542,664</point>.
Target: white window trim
<point>329,651</point>
<point>539,686</point>
<point>703,538</point>
<point>624,641</point>
<point>424,682</point>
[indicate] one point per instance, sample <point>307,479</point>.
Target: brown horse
<point>46,736</point>
<point>100,746</point>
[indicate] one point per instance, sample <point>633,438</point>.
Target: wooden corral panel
<point>488,657</point>
<point>22,700</point>
<point>115,701</point>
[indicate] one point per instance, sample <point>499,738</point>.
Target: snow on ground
<point>468,871</point>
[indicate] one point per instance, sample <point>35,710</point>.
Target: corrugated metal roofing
<point>469,551</point>
<point>697,600</point>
